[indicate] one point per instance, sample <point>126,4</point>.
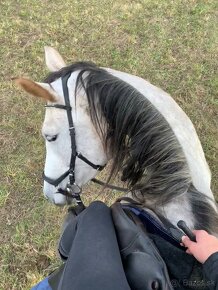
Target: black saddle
<point>146,239</point>
<point>143,264</point>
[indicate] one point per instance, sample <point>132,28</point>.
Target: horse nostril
<point>155,285</point>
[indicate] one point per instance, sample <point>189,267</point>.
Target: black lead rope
<point>114,187</point>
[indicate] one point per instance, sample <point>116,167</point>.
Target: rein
<point>72,189</point>
<point>114,187</point>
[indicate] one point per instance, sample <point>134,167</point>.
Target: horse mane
<point>142,143</point>
<point>206,215</point>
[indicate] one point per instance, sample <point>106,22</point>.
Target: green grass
<point>170,43</point>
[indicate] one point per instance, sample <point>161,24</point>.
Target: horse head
<point>55,131</point>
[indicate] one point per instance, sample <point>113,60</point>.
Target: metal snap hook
<point>73,189</point>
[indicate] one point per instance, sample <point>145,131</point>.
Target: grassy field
<point>170,43</point>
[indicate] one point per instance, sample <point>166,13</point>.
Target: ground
<point>170,43</point>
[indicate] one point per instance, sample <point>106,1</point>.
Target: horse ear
<point>36,89</point>
<point>53,59</point>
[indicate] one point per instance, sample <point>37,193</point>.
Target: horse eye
<point>51,138</point>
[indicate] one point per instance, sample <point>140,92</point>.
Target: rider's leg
<point>94,262</point>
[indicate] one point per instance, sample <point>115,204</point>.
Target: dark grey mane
<point>143,146</point>
<point>69,69</point>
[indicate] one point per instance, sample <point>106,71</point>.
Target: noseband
<point>72,189</point>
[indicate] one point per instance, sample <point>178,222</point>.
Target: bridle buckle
<point>73,189</point>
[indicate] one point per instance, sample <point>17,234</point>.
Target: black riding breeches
<point>94,261</point>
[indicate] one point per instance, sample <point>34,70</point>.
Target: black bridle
<point>72,189</point>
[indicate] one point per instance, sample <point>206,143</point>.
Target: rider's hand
<point>204,246</point>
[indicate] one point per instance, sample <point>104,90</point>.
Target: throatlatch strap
<point>97,167</point>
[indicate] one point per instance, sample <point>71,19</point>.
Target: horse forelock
<point>140,140</point>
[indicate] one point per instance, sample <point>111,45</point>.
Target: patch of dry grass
<point>170,43</point>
